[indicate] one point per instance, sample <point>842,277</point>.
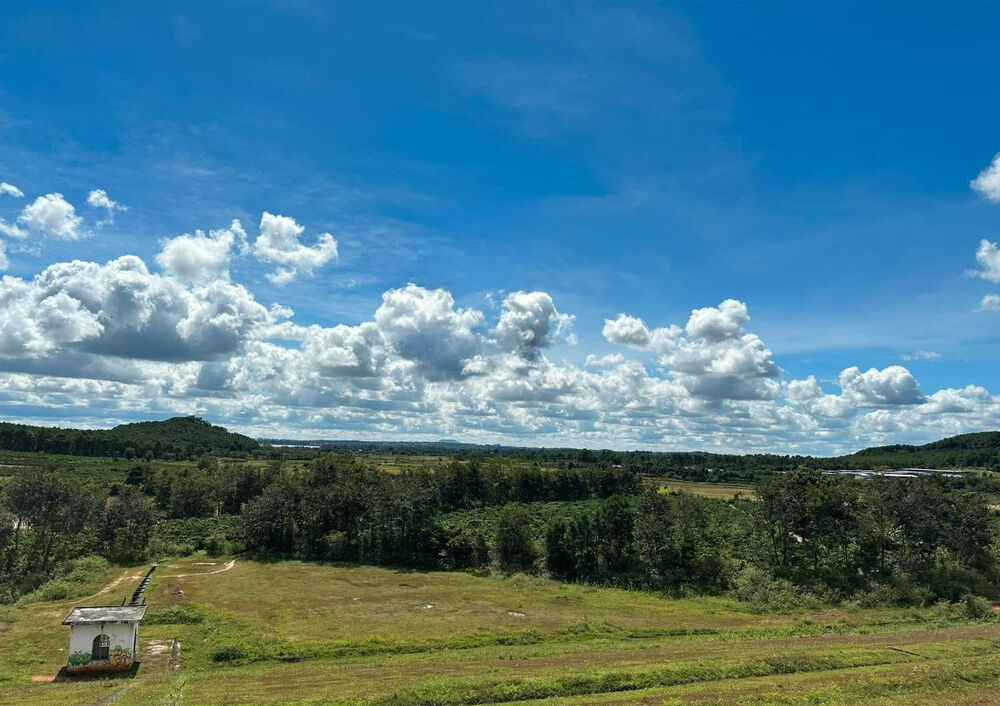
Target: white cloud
<point>423,326</point>
<point>988,181</point>
<point>893,385</point>
<point>51,216</point>
<point>604,361</point>
<point>10,190</point>
<point>715,324</point>
<point>529,322</point>
<point>200,257</point>
<point>100,341</point>
<point>11,230</point>
<point>121,309</point>
<point>278,245</point>
<point>4,262</point>
<point>991,302</point>
<point>988,257</point>
<point>98,198</point>
<point>627,330</point>
<point>922,355</point>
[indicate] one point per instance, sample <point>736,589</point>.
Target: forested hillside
<point>980,450</point>
<point>176,438</point>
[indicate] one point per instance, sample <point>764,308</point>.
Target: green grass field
<point>722,491</point>
<point>296,633</point>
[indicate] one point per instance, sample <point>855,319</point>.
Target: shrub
<point>879,594</point>
<point>161,548</point>
<point>765,594</point>
<point>75,578</point>
<point>216,545</point>
<point>975,607</point>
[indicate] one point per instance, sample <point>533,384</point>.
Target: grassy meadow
<point>300,633</point>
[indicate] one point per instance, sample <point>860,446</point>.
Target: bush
<point>161,548</point>
<point>879,594</point>
<point>236,652</point>
<point>975,607</point>
<point>75,578</point>
<point>765,594</point>
<point>217,545</point>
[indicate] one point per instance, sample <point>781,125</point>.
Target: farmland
<point>298,633</point>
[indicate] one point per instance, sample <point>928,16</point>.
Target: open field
<point>722,491</point>
<point>296,633</point>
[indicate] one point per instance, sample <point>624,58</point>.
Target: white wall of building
<point>123,636</point>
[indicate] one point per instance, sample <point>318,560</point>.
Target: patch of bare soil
<point>226,567</point>
<point>117,582</point>
<point>4,626</point>
<point>43,677</point>
<point>156,651</point>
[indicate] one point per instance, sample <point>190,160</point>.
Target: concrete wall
<point>81,642</point>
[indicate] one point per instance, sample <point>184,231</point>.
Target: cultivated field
<point>294,633</point>
<point>722,491</point>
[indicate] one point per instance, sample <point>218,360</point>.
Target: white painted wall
<point>123,636</point>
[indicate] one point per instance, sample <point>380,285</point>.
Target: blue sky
<point>811,161</point>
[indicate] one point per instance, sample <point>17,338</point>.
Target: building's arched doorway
<point>102,647</point>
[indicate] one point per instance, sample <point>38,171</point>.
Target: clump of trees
<point>47,522</point>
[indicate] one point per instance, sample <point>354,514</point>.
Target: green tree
<point>514,548</point>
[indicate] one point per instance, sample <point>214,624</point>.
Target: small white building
<point>103,637</point>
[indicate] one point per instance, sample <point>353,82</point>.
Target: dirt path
<point>227,567</point>
<point>114,584</point>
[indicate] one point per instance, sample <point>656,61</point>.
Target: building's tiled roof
<point>105,614</point>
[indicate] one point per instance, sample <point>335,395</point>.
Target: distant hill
<point>981,449</point>
<point>179,437</point>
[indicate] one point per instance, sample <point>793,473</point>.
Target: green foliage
<point>128,526</point>
<point>79,659</point>
<point>193,531</point>
<point>514,548</point>
<point>177,615</point>
<point>975,607</point>
<point>765,594</point>
<point>217,545</point>
<point>180,437</point>
<point>74,578</point>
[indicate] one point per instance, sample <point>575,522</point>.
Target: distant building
<point>103,637</point>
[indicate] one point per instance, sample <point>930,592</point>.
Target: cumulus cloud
<point>715,324</point>
<point>115,338</point>
<point>604,361</point>
<point>988,257</point>
<point>98,198</point>
<point>991,302</point>
<point>278,245</point>
<point>893,385</point>
<point>50,216</point>
<point>529,322</point>
<point>718,359</point>
<point>200,257</point>
<point>10,190</point>
<point>121,309</point>
<point>423,326</point>
<point>627,330</point>
<point>988,182</point>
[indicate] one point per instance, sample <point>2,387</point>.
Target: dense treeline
<point>910,540</point>
<point>881,540</point>
<point>177,438</point>
<point>980,450</point>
